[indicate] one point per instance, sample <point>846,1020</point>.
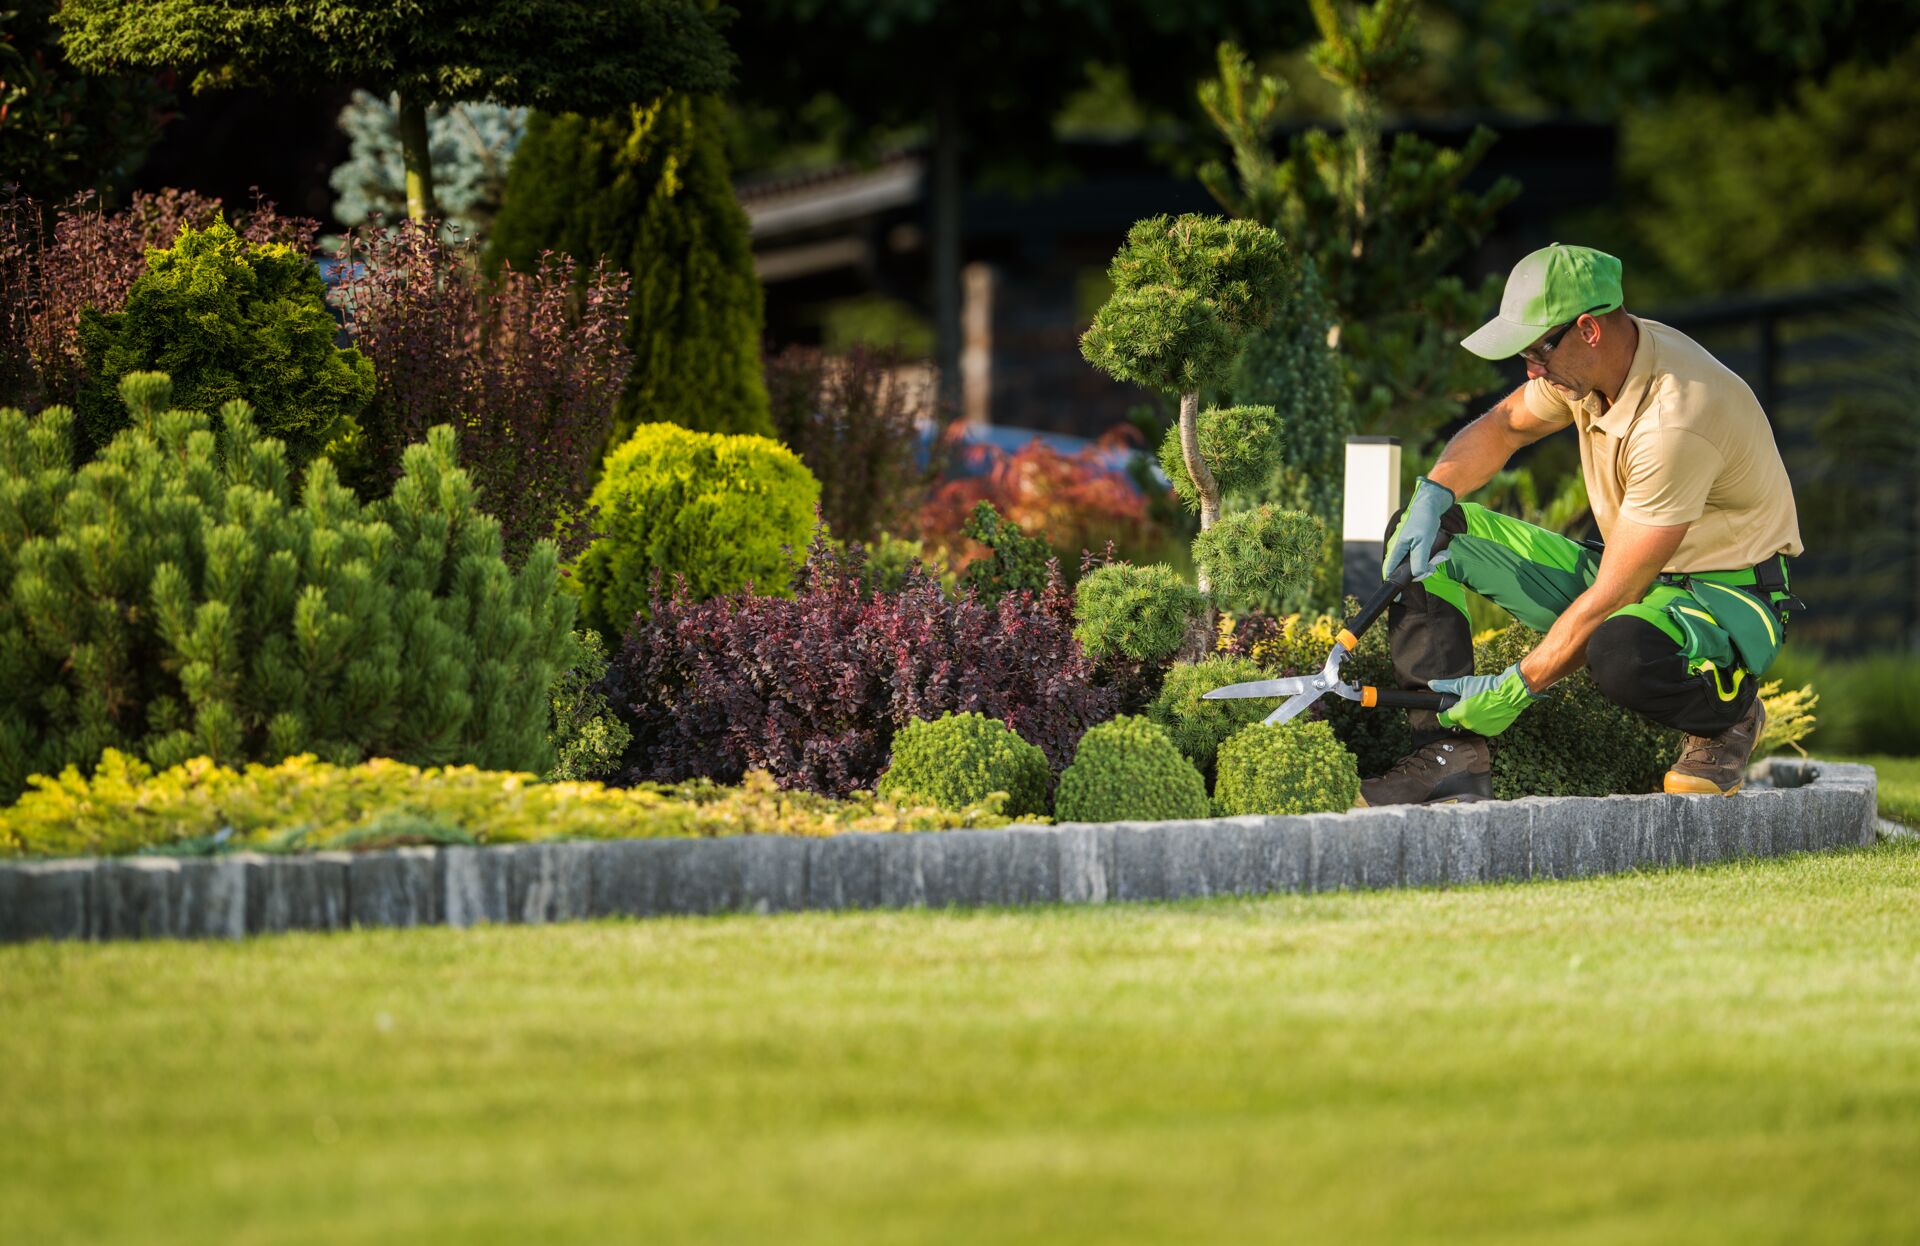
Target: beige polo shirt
<point>1686,443</point>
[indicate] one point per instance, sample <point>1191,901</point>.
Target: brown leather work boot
<point>1446,770</point>
<point>1717,766</point>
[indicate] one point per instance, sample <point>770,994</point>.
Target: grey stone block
<point>45,899</point>
<point>1356,850</point>
<point>298,893</point>
<point>1183,850</point>
<point>773,873</point>
<point>843,872</point>
<point>212,899</point>
<point>1230,852</point>
<point>394,887</point>
<point>475,884</point>
<point>549,882</point>
<point>961,868</point>
<point>1569,836</point>
<point>1140,861</point>
<point>1641,828</point>
<point>1281,854</point>
<point>1082,852</point>
<point>1033,865</point>
<point>135,898</point>
<point>630,875</point>
<point>1509,842</point>
<point>1468,841</point>
<point>1423,844</point>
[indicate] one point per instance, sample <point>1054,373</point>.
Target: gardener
<point>1680,606</point>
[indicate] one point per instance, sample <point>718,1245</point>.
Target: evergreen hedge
<point>957,760</point>
<point>649,190</point>
<point>179,597</point>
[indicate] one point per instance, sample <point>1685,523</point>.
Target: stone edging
<point>1807,806</point>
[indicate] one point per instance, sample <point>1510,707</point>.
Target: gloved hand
<point>1419,528</point>
<point>1488,703</point>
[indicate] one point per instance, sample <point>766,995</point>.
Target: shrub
<point>812,688</point>
<point>1293,767</point>
<point>1301,646</point>
<point>648,190</point>
<point>227,320</point>
<point>472,144</point>
<point>91,258</point>
<point>854,421</point>
<point>1014,561</point>
<point>716,512</point>
<point>1257,558</point>
<point>526,366</point>
<point>1137,612</point>
<point>587,737</point>
<point>1573,742</point>
<point>1240,446</point>
<point>1789,718</point>
<point>1076,500</point>
<point>178,597</point>
<point>307,805</point>
<point>957,760</point>
<point>1198,726</point>
<point>1127,769</point>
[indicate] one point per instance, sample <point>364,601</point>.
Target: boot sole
<point>1470,798</point>
<point>1677,784</point>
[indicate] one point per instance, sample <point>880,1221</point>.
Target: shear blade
<point>1292,708</point>
<point>1291,686</point>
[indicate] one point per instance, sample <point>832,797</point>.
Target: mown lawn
<point>1726,1055</point>
<point>1899,787</point>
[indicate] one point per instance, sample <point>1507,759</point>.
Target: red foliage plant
<point>525,366</point>
<point>1072,501</point>
<point>90,257</point>
<point>812,688</point>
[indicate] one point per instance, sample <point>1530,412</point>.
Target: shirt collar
<point>1634,390</point>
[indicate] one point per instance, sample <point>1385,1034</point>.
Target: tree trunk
<point>946,240</point>
<point>1200,634</point>
<point>418,159</point>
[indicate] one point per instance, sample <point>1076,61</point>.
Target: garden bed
<point>1795,806</point>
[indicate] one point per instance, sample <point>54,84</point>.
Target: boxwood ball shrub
<point>1256,558</point>
<point>1197,727</point>
<point>1127,769</point>
<point>227,320</point>
<point>1293,767</point>
<point>178,597</point>
<point>1301,647</point>
<point>716,510</point>
<point>958,760</point>
<point>1140,613</point>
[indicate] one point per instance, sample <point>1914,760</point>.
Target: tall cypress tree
<point>649,191</point>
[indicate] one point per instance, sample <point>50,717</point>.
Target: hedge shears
<point>1303,690</point>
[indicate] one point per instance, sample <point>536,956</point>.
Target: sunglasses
<point>1538,352</point>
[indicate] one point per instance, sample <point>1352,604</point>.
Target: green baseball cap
<point>1555,285</point>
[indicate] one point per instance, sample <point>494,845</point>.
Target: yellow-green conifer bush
<point>1127,770</point>
<point>1293,767</point>
<point>957,760</point>
<point>719,510</point>
<point>179,597</point>
<point>1197,726</point>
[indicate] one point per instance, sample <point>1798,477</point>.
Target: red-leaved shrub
<point>526,367</point>
<point>91,258</point>
<point>812,688</point>
<point>1073,502</point>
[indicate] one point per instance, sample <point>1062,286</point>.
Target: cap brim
<point>1502,339</point>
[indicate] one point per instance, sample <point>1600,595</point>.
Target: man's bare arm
<point>1484,446</point>
<point>1634,554</point>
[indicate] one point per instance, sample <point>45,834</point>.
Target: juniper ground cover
<point>1724,1055</point>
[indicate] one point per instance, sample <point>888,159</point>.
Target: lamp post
<point>1372,496</point>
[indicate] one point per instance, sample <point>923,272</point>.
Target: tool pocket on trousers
<point>1707,645</point>
<point>1750,624</point>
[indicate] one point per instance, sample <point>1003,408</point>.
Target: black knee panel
<point>1628,657</point>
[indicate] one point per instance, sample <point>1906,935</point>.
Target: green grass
<point>1899,787</point>
<point>1723,1055</point>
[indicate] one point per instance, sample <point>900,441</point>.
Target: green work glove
<point>1488,703</point>
<point>1419,529</point>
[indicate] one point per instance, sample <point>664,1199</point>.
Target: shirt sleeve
<point>1669,472</point>
<point>1546,405</point>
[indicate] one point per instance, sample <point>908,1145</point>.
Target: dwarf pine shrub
<point>717,511</point>
<point>1292,767</point>
<point>178,597</point>
<point>1196,726</point>
<point>1140,613</point>
<point>1127,769</point>
<point>958,760</point>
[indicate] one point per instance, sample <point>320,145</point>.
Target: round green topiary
<point>957,760</point>
<point>1138,612</point>
<point>1240,446</point>
<point>1253,559</point>
<point>1195,726</point>
<point>1295,767</point>
<point>720,510</point>
<point>1127,770</point>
